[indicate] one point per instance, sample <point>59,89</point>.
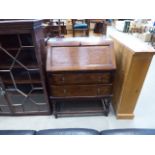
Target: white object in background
<point>119,25</point>
<point>146,36</point>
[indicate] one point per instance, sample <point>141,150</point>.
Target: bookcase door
<point>20,73</point>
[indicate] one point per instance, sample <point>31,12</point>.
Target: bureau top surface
<point>80,58</point>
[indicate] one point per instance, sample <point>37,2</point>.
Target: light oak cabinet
<point>133,58</point>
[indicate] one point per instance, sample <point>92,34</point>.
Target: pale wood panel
<point>134,82</point>
<point>123,60</point>
<point>132,67</point>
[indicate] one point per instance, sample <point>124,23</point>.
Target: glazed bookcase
<point>22,81</point>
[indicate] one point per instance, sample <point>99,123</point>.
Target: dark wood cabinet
<point>22,69</point>
<point>80,77</point>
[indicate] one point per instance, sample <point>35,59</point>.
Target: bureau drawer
<point>81,78</point>
<point>81,90</point>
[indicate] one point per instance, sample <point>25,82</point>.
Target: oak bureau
<point>80,77</point>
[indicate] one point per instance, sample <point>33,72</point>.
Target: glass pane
<point>26,39</point>
<point>20,76</point>
<point>32,101</point>
<point>35,76</point>
<point>17,101</point>
<point>27,57</point>
<point>4,108</point>
<point>5,59</point>
<point>9,41</point>
<point>38,96</point>
<point>30,106</point>
<point>2,100</point>
<point>43,108</point>
<point>5,75</point>
<point>15,97</point>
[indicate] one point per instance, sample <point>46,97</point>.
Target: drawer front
<point>81,90</point>
<point>81,78</point>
